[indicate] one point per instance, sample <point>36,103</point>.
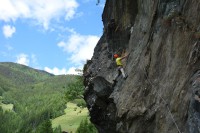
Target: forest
<point>36,97</point>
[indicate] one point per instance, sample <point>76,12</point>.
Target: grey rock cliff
<point>162,91</point>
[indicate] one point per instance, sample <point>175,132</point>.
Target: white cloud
<point>22,59</point>
<point>57,71</point>
<point>81,47</point>
<point>8,31</point>
<point>41,11</point>
<point>70,9</point>
<point>72,70</point>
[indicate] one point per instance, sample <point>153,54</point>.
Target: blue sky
<point>57,36</point>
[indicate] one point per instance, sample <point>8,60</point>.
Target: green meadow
<point>72,118</point>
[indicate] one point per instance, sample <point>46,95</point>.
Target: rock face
<point>162,91</point>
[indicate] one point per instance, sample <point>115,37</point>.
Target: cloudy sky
<point>57,36</point>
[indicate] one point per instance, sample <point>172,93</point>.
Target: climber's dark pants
<point>121,70</point>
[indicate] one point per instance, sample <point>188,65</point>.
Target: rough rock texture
<point>162,91</point>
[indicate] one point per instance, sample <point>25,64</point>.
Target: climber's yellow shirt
<point>118,61</point>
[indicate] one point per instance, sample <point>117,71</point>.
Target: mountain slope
<point>15,75</point>
<point>25,74</point>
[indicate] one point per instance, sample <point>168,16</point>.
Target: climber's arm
<point>124,56</point>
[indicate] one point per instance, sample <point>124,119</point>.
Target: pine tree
<point>86,127</point>
<point>45,127</point>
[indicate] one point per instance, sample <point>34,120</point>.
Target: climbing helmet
<point>116,56</point>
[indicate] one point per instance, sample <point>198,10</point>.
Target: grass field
<point>5,106</point>
<point>72,118</point>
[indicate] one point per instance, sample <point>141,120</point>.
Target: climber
<point>120,65</point>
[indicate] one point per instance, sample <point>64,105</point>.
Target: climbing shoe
<point>114,81</point>
<point>126,77</point>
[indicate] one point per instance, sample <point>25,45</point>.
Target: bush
<point>45,127</point>
<point>86,127</point>
<point>80,103</point>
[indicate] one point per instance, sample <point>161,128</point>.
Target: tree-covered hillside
<point>37,97</point>
<point>20,74</point>
<point>15,75</point>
